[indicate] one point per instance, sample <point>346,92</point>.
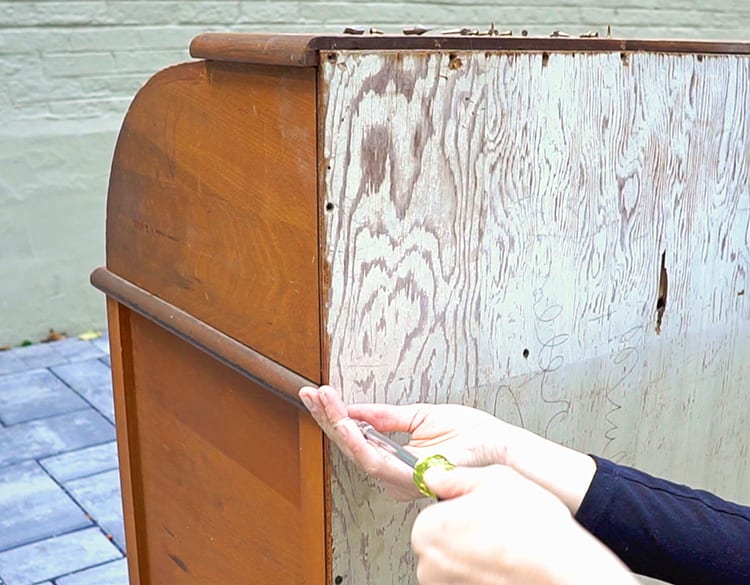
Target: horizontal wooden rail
<point>303,50</point>
<point>258,49</point>
<point>248,362</point>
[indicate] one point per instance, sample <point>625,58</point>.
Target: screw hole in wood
<point>454,62</point>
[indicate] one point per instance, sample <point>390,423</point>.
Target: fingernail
<point>307,402</point>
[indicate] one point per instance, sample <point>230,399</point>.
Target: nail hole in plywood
<point>454,62</point>
<point>331,57</point>
<point>329,206</point>
<point>525,354</point>
<point>661,300</point>
<point>699,57</point>
<point>625,58</point>
<point>545,58</point>
<point>338,580</point>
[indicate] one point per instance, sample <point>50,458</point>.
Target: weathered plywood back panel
<point>559,239</point>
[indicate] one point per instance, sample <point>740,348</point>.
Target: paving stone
<point>34,507</point>
<point>10,362</point>
<point>35,394</point>
<point>40,355</point>
<point>61,555</point>
<point>53,435</point>
<point>85,374</point>
<point>100,496</point>
<point>115,573</point>
<point>76,350</point>
<point>82,462</point>
<point>93,380</point>
<point>102,343</point>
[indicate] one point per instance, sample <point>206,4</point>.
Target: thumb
<point>447,484</point>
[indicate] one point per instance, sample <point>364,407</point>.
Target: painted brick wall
<point>69,69</point>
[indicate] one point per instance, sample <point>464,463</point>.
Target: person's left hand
<point>466,436</point>
<point>493,526</point>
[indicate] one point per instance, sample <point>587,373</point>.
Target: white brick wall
<point>69,69</point>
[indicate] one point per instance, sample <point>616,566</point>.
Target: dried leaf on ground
<point>53,336</point>
<point>89,335</point>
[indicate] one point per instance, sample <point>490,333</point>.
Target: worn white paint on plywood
<point>496,239</point>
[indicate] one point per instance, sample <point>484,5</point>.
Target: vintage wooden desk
<point>555,230</point>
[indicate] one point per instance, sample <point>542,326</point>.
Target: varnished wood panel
<point>258,368</point>
<point>560,239</point>
<point>213,203</point>
<point>265,49</point>
<point>118,318</point>
<point>221,460</point>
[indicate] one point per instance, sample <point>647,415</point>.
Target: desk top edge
<point>302,50</point>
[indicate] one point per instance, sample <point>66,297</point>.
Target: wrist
<point>586,561</point>
<point>564,472</point>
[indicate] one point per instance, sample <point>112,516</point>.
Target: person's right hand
<point>495,526</point>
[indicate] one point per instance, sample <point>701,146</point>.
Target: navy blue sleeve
<point>668,531</point>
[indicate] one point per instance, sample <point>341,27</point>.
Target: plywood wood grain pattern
<point>496,230</point>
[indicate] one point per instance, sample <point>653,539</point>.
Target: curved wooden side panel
<point>213,206</point>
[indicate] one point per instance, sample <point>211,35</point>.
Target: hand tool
<point>420,466</point>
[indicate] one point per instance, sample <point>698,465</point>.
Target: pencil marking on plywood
<point>494,245</point>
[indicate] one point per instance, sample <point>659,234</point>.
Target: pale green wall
<point>69,69</point>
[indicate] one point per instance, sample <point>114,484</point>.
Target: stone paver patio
<point>60,510</point>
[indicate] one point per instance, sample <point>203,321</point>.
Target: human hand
<point>464,435</point>
<point>494,526</point>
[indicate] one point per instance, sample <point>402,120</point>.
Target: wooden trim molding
<point>259,49</point>
<point>248,362</point>
<point>118,317</point>
<point>302,50</point>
